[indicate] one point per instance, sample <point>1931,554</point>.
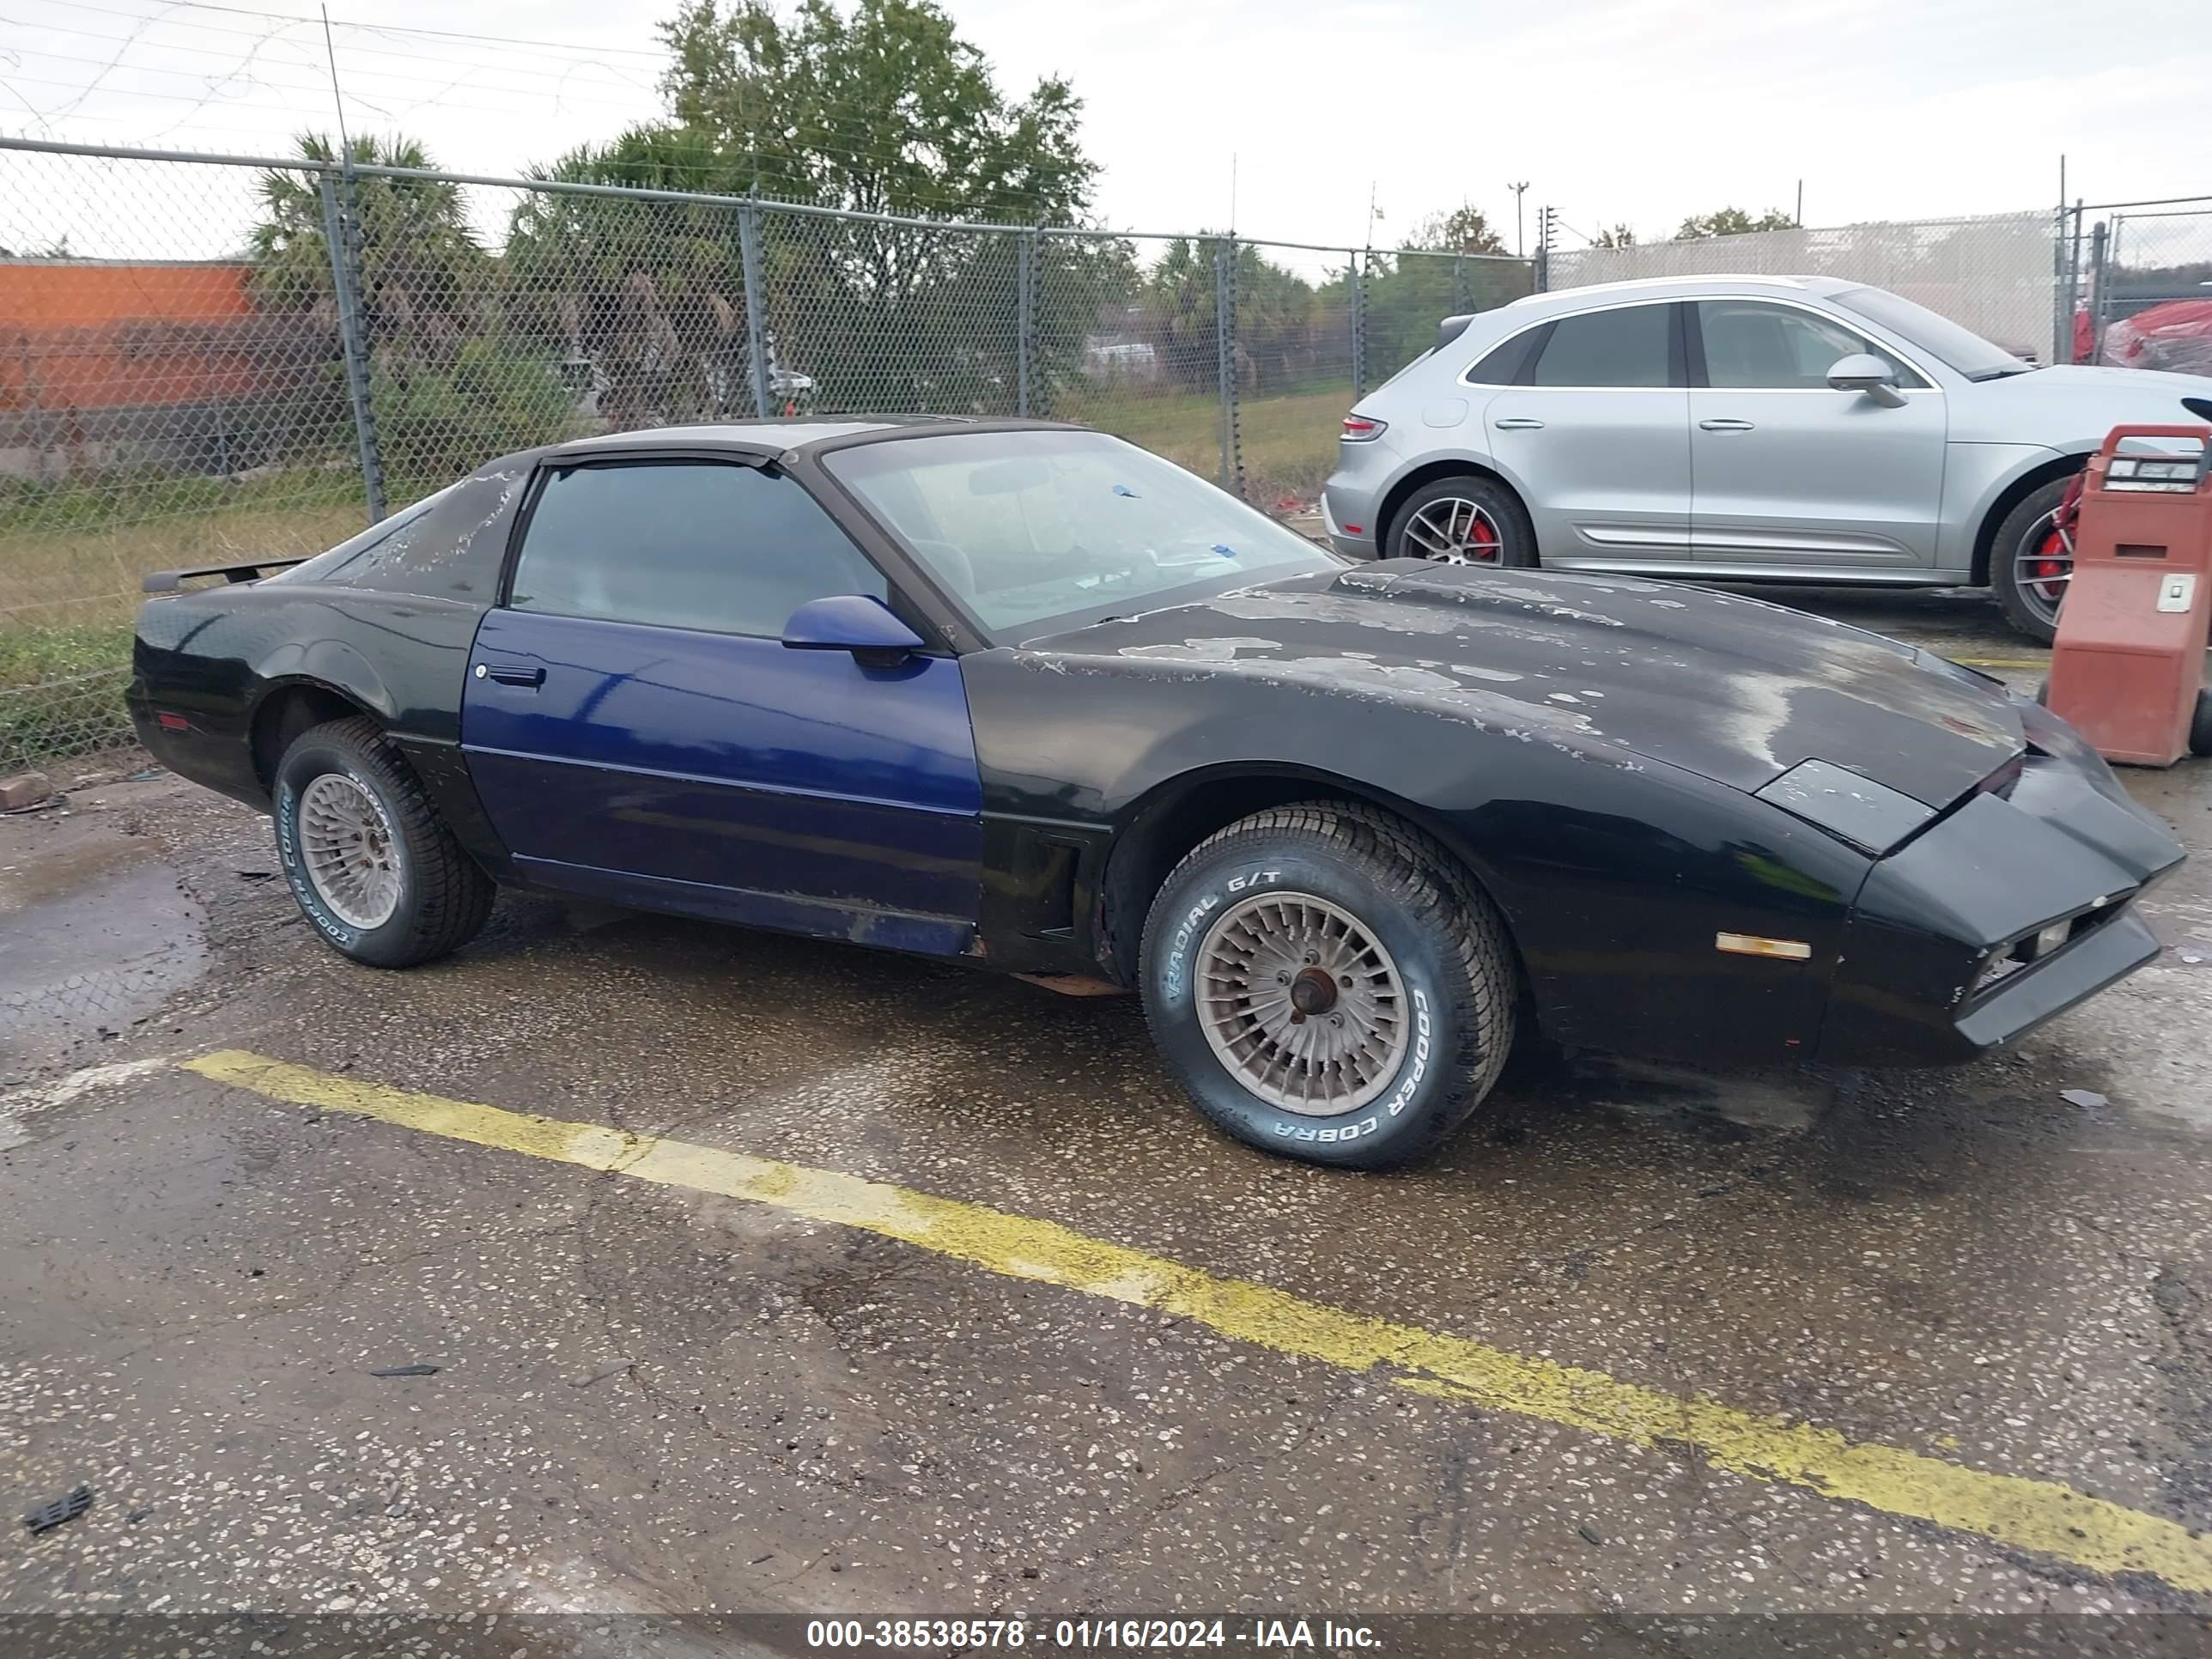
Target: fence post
<point>2062,288</point>
<point>2100,281</point>
<point>1224,363</point>
<point>353,343</point>
<point>1544,251</point>
<point>1024,317</point>
<point>748,266</point>
<point>1359,324</point>
<point>1460,306</point>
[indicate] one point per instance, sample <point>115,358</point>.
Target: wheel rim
<point>1455,530</point>
<point>1301,1003</point>
<point>2044,563</point>
<point>348,847</point>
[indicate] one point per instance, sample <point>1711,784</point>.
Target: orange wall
<point>90,335</point>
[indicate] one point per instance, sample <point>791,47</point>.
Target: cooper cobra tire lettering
<point>1458,975</point>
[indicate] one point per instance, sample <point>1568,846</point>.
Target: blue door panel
<point>729,775</point>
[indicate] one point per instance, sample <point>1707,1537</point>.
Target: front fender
<point>1976,477</point>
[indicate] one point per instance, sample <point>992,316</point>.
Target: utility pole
<point>1799,216</point>
<point>1519,249</point>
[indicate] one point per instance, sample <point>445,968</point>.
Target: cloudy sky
<point>1640,111</point>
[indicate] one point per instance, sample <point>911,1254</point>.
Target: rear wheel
<point>367,855</point>
<point>2032,563</point>
<point>1462,520</point>
<point>1328,985</point>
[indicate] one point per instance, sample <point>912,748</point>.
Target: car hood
<point>2071,406</point>
<point>1733,688</point>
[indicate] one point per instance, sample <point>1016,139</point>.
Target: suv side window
<point>1626,346</point>
<point>704,544</point>
<point>1503,363</point>
<point>1753,345</point>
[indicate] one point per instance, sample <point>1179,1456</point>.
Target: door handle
<point>512,673</point>
<point>1518,423</point>
<point>1724,425</point>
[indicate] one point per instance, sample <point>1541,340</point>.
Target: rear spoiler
<point>170,581</point>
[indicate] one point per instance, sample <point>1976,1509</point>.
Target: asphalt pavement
<point>716,1272</point>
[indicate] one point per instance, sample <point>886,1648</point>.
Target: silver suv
<point>1737,429</point>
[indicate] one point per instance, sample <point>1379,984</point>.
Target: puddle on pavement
<point>93,935</point>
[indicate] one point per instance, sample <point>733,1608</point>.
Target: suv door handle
<point>1725,425</point>
<point>512,673</point>
<point>1518,423</point>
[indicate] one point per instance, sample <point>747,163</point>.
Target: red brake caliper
<point>2050,557</point>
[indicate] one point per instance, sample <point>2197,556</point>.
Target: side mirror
<point>854,622</point>
<point>1864,372</point>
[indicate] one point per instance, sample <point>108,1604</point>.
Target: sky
<point>1284,117</point>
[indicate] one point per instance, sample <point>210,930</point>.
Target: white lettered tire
<point>1329,984</point>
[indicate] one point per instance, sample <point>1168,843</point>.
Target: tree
<point>890,112</point>
<point>887,111</point>
<point>1463,230</point>
<point>645,298</point>
<point>422,270</point>
<point>1733,222</point>
<point>449,385</point>
<point>1280,336</point>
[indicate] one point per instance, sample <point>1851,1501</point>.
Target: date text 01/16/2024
<point>968,1635</point>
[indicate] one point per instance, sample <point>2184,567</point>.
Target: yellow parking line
<point>2040,1516</point>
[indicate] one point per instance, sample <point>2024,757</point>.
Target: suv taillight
<point>1359,429</point>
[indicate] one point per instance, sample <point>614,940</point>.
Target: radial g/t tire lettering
<point>1338,882</point>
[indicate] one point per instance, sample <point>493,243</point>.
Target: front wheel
<point>366,854</point>
<point>2032,563</point>
<point>1462,520</point>
<point>1328,985</point>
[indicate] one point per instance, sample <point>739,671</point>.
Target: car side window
<point>703,544</point>
<point>1626,346</point>
<point>1504,364</point>
<point>1751,345</point>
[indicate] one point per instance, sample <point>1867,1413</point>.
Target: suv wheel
<point>1462,520</point>
<point>2031,562</point>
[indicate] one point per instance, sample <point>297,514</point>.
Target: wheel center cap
<point>1312,991</point>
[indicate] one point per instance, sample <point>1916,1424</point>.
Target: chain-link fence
<point>1995,273</point>
<point>207,358</point>
<point>2147,300</point>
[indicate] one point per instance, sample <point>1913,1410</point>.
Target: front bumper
<point>2065,842</point>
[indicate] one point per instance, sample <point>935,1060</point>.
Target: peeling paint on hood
<point>1733,688</point>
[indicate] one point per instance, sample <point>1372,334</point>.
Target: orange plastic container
<point>2127,669</point>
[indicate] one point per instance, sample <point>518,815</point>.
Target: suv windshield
<point>1035,530</point>
<point>1961,348</point>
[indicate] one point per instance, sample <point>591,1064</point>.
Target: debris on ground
<point>25,791</point>
<point>2087,1099</point>
<point>57,1512</point>
<point>1590,1534</point>
<point>405,1370</point>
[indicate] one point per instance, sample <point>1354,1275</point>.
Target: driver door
<point>1788,470</point>
<point>639,733</point>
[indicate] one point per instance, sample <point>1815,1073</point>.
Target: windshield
<point>1035,530</point>
<point>1961,348</point>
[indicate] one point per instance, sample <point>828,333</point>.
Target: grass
<point>72,559</point>
<point>1288,439</point>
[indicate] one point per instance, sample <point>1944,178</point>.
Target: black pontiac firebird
<point>1026,695</point>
